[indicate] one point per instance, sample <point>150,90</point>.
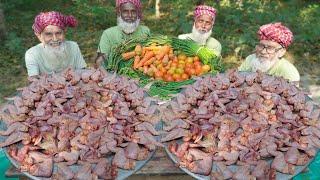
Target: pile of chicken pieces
<point>81,118</point>
<point>242,119</point>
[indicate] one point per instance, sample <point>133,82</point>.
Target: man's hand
<point>100,58</point>
<point>33,78</point>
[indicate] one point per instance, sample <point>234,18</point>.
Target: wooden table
<point>159,167</point>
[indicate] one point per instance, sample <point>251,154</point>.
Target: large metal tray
<point>233,168</point>
<point>122,174</point>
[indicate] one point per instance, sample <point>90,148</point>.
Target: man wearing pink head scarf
<point>54,53</point>
<point>129,14</point>
<point>204,17</point>
<point>275,38</point>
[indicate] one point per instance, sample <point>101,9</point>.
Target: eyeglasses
<point>269,49</point>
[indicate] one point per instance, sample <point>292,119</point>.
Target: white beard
<point>56,57</point>
<point>262,64</point>
<point>126,27</point>
<point>200,37</point>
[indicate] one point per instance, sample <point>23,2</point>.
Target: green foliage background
<point>236,26</point>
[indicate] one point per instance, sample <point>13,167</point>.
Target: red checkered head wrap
<point>136,3</point>
<point>203,9</point>
<point>276,32</point>
<point>44,19</point>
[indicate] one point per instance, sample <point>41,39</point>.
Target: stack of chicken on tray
<point>85,123</point>
<point>242,125</point>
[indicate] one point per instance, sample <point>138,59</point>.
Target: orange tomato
<point>176,76</point>
<point>175,59</point>
<point>167,67</point>
<point>182,56</point>
<point>184,76</point>
<point>181,66</point>
<point>199,71</point>
<point>192,72</point>
<point>165,77</point>
<point>164,71</point>
<point>196,58</point>
<point>158,74</point>
<point>206,68</point>
<point>174,64</point>
<point>179,71</point>
<point>168,78</point>
<point>187,70</point>
<point>161,68</point>
<point>188,66</point>
<point>197,63</point>
<point>189,60</point>
<point>198,67</point>
<point>171,71</point>
<point>178,79</point>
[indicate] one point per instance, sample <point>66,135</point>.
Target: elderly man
<point>54,53</point>
<point>274,40</point>
<point>204,17</point>
<point>129,14</point>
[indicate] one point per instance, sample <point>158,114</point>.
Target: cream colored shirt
<point>37,63</point>
<point>113,36</point>
<point>282,68</point>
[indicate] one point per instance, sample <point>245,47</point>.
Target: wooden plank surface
<point>160,164</point>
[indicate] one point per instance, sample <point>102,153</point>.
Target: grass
<point>235,27</point>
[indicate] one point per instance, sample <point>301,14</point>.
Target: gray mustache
<point>55,43</point>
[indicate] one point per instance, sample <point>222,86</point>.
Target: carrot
<point>144,50</point>
<point>138,49</point>
<point>136,62</point>
<point>165,59</point>
<point>152,48</point>
<point>164,50</point>
<point>150,61</point>
<point>145,69</point>
<point>154,68</point>
<point>128,55</point>
<point>145,58</point>
<point>168,66</point>
<point>171,56</point>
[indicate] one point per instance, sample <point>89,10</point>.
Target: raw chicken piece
<point>14,127</point>
<point>175,134</point>
<point>120,160</point>
<point>281,165</point>
<point>14,138</point>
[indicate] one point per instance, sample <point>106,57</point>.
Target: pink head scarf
<point>203,9</point>
<point>44,19</point>
<point>276,32</point>
<point>136,3</point>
